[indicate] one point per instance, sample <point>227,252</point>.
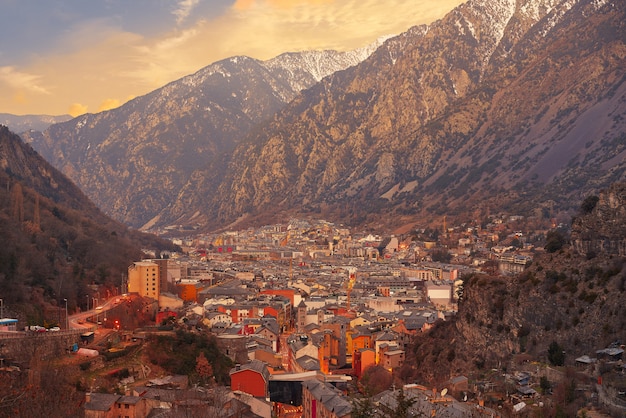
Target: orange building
<point>143,278</point>
<point>189,291</point>
<point>362,359</point>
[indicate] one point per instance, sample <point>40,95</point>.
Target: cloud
<point>77,109</point>
<point>21,81</point>
<point>108,104</point>
<point>184,10</point>
<point>102,58</point>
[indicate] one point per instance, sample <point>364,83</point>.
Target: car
<point>54,329</point>
<point>98,308</point>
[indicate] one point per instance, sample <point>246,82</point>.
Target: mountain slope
<point>502,100</point>
<point>571,298</point>
<point>21,123</point>
<point>132,161</point>
<point>505,105</point>
<point>55,241</point>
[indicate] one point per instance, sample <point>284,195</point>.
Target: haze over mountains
<point>500,105</point>
<point>26,122</point>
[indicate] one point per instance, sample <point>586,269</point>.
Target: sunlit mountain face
<point>499,105</point>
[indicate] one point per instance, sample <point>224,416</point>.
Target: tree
<point>362,408</point>
<point>556,355</point>
<point>376,379</point>
<point>554,241</point>
<point>545,385</point>
<point>402,406</point>
<point>441,255</point>
<point>204,369</point>
<point>589,204</point>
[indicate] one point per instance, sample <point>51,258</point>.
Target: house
<point>99,405</point>
<point>458,384</point>
<point>359,339</point>
<point>214,319</point>
<point>270,331</point>
<point>362,359</point>
<point>306,364</point>
<point>169,301</point>
<point>391,357</point>
<point>320,399</point>
<point>250,378</point>
<point>104,405</point>
<point>302,347</point>
<point>267,356</point>
<point>610,354</point>
<point>384,339</point>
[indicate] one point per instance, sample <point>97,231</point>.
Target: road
<point>79,320</point>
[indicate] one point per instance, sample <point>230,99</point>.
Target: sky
<point>76,56</point>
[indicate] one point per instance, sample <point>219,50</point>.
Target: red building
<point>160,316</point>
<point>251,378</point>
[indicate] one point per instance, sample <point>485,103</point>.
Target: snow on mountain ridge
<point>319,64</point>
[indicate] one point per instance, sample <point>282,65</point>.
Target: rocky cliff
<point>601,228</point>
<point>574,300</point>
<point>504,104</point>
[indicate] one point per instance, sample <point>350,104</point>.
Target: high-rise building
<point>144,279</point>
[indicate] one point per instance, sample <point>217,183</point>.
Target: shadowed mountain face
<point>55,242</point>
<point>500,105</point>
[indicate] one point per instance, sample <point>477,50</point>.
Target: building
<point>143,278</point>
<point>250,378</point>
<point>323,400</point>
<point>362,359</point>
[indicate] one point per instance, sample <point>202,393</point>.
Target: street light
<point>1,308</point>
<point>87,296</point>
<point>67,319</point>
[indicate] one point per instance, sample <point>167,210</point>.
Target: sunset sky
<point>77,56</point>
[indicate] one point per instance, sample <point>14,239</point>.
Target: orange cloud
<point>77,109</point>
<point>100,62</point>
<point>108,104</point>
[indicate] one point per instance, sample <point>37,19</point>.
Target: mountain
<point>30,122</point>
<point>501,105</point>
<point>55,242</point>
<point>133,161</point>
<point>568,299</point>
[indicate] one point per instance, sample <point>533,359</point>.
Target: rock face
<point>566,298</point>
<point>500,105</point>
<point>136,160</point>
<point>496,103</point>
<point>603,230</point>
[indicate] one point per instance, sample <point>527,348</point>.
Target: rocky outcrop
<point>603,230</point>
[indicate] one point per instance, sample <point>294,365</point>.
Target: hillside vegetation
<point>55,242</point>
